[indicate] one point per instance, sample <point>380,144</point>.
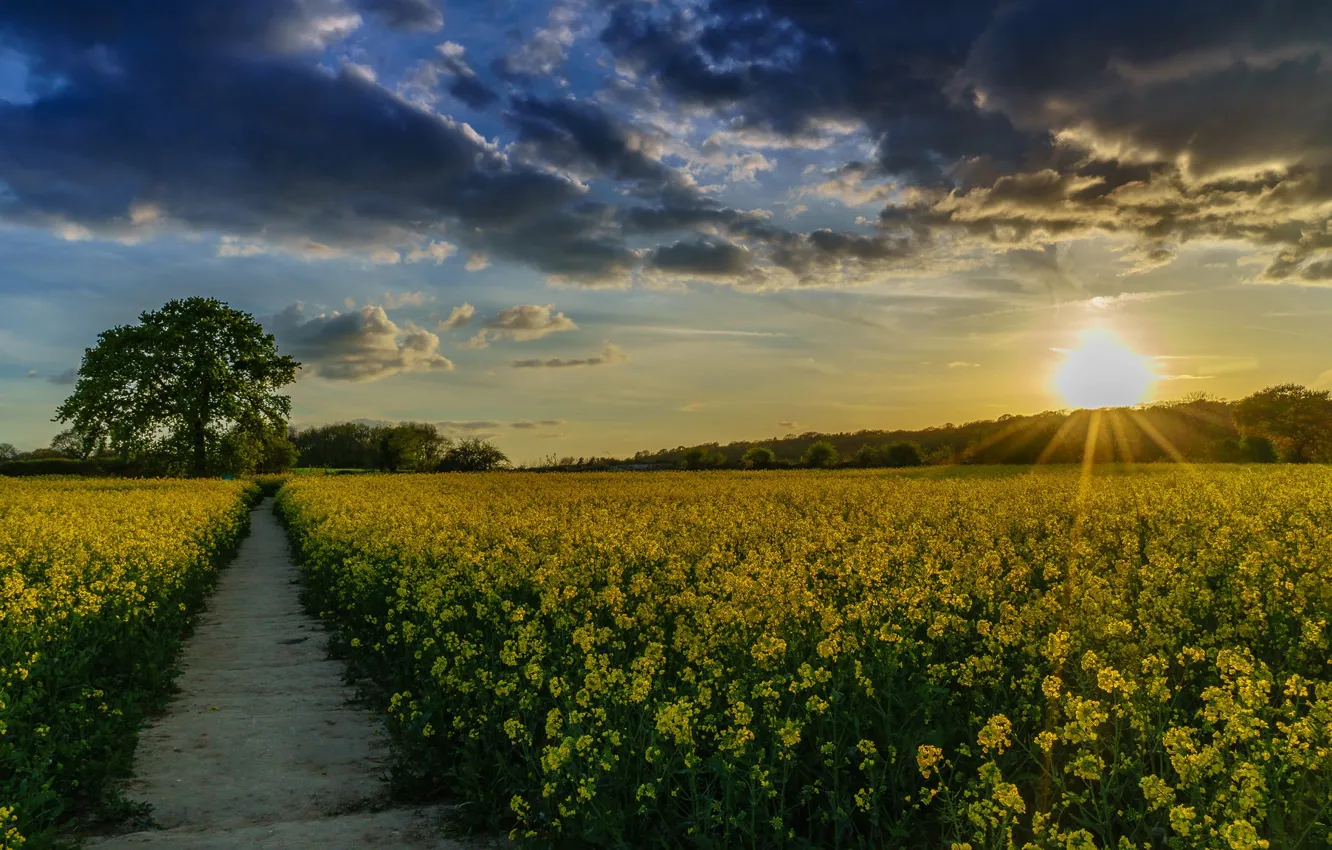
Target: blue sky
<point>598,227</point>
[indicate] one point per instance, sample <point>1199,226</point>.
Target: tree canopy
<point>184,381</point>
<point>1296,418</point>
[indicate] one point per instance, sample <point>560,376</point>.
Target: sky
<point>591,227</point>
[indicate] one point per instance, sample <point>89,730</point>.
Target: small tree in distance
<point>820,455</point>
<point>903,454</point>
<point>759,457</point>
<point>473,455</point>
<point>699,457</point>
<point>7,452</point>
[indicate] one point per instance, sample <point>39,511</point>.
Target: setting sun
<point>1103,372</point>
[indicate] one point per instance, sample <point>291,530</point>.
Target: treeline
<point>237,450</point>
<point>1286,423</point>
<point>405,447</point>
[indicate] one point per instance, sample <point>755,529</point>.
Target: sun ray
<point>1057,439</point>
<point>1117,431</point>
<point>1004,433</point>
<point>1160,439</point>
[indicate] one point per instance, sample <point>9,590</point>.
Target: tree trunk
<point>200,459</point>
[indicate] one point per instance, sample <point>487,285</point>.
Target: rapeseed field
<point>1026,659</point>
<point>98,580</point>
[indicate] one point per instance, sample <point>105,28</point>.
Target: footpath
<point>262,747</point>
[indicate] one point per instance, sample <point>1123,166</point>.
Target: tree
<point>7,452</point>
<point>820,455</point>
<point>473,455</point>
<point>759,457</point>
<point>250,452</point>
<point>702,457</point>
<point>345,445</point>
<point>868,455</point>
<point>1259,449</point>
<point>182,378</point>
<point>1296,419</point>
<point>903,454</point>
<point>411,447</point>
<point>74,444</point>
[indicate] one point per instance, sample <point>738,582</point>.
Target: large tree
<point>185,376</point>
<point>1296,418</point>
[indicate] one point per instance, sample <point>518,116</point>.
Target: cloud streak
<point>610,355</point>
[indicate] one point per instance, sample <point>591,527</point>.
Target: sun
<point>1103,372</point>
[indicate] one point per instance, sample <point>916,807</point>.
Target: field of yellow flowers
<point>847,659</point>
<point>98,580</point>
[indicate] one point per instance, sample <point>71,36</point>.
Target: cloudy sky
<point>597,226</point>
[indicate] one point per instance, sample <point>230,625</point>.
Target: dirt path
<point>261,748</point>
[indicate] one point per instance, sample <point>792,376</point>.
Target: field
<point>847,659</point>
<point>98,581</point>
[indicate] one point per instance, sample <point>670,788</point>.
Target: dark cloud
<point>528,425</point>
<point>702,259</point>
<point>542,54</point>
<point>210,116</point>
<point>995,127</point>
<point>610,354</point>
<point>1016,124</point>
<point>1319,272</point>
<point>359,345</point>
<point>409,15</point>
<point>582,136</point>
<point>464,83</point>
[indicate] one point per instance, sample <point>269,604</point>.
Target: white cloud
<point>522,323</point>
<point>359,345</point>
<point>393,301</point>
<point>458,317</point>
<point>433,251</point>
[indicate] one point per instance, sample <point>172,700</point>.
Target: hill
<point>1280,423</point>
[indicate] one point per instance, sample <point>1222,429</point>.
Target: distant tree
<point>820,455</point>
<point>759,457</point>
<point>700,457</point>
<point>1258,449</point>
<point>1296,419</point>
<point>473,455</point>
<point>903,454</point>
<point>940,456</point>
<point>344,445</point>
<point>1229,450</point>
<point>250,452</point>
<point>181,379</point>
<point>8,452</point>
<point>75,444</point>
<point>868,455</point>
<point>411,447</point>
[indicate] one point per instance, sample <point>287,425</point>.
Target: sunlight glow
<point>1103,372</point>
